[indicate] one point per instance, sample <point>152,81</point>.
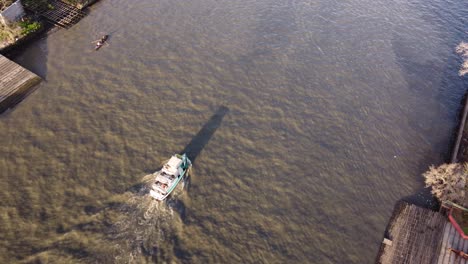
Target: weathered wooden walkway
<point>59,13</point>
<point>414,235</point>
<point>452,239</point>
<point>15,83</point>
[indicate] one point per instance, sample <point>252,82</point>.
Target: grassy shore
<point>462,49</point>
<point>10,34</point>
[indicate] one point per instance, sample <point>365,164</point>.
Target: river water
<point>306,120</point>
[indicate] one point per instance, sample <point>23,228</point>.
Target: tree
<point>448,182</point>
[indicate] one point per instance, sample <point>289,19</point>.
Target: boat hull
<point>161,188</point>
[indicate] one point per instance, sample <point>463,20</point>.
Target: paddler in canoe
<point>100,42</point>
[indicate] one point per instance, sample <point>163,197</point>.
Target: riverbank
<point>11,48</point>
<point>460,152</point>
<point>419,230</point>
<point>13,34</point>
<point>32,26</point>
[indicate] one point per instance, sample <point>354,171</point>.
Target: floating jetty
<point>15,83</point>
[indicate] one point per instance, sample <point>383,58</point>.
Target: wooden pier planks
<point>416,234</point>
<point>452,239</point>
<point>15,82</point>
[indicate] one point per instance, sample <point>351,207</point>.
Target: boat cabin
<point>169,176</point>
<point>172,167</point>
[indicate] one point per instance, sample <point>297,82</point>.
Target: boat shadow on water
<point>144,224</point>
<point>192,149</point>
<point>198,143</point>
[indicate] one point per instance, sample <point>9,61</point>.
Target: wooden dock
<point>58,13</point>
<point>15,83</point>
<point>414,235</point>
<point>452,240</point>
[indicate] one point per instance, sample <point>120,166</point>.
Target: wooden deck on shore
<point>414,235</point>
<point>452,239</point>
<point>15,83</point>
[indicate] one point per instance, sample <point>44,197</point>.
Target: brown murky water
<point>308,121</point>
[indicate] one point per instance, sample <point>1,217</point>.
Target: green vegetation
<point>29,26</point>
<point>9,34</point>
<point>462,219</point>
<point>465,230</point>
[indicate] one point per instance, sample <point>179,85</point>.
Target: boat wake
<point>146,227</point>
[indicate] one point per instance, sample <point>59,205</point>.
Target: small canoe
<point>101,42</point>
